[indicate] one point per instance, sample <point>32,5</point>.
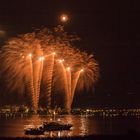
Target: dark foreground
<point>92,137</point>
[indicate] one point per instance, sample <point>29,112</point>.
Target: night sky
<point>108,29</point>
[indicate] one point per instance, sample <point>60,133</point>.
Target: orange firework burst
<point>45,61</point>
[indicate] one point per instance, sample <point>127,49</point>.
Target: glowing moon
<point>64,18</point>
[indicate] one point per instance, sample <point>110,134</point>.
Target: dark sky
<point>109,29</point>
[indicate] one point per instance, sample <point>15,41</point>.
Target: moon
<point>64,18</point>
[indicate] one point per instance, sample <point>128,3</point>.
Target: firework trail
<point>68,70</point>
<point>74,83</point>
<point>66,95</point>
<point>48,78</point>
<point>31,81</point>
<point>37,71</point>
<point>41,59</point>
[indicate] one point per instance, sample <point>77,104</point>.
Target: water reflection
<point>82,125</point>
<point>57,134</point>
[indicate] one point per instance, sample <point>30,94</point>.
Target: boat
<point>34,131</point>
<point>47,126</point>
<point>55,126</point>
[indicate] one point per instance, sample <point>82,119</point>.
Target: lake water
<point>82,125</point>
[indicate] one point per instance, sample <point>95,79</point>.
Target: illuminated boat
<point>55,126</point>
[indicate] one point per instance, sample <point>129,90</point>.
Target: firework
<point>44,61</point>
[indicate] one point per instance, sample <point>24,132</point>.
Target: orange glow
<point>61,60</point>
<point>54,53</point>
<point>82,70</point>
<point>41,58</point>
<point>68,68</point>
<point>64,18</point>
<point>48,61</point>
<point>30,55</point>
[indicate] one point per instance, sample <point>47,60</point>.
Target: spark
<point>82,70</point>
<point>30,55</point>
<point>68,68</point>
<point>41,58</point>
<point>54,53</point>
<point>61,60</point>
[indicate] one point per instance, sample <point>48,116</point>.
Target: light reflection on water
<point>14,127</point>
